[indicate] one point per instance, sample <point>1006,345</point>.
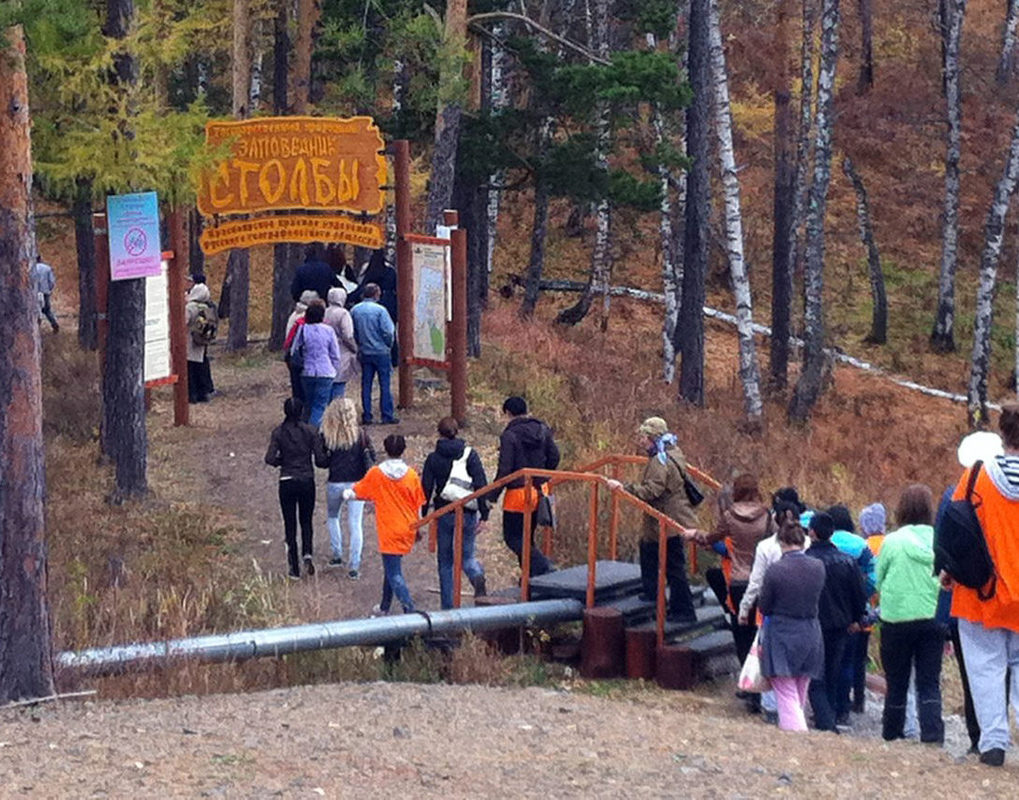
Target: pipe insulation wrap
<point>318,636</point>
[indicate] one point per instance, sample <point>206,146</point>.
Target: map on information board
<point>429,270</point>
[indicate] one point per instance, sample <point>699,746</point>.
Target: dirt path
<point>219,461</point>
<point>405,740</point>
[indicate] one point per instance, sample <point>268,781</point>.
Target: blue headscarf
<point>662,443</point>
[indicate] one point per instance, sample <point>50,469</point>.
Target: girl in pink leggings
<point>792,647</point>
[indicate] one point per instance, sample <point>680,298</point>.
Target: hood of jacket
<point>1004,472</point>
<point>337,297</point>
<point>917,543</point>
<point>748,511</point>
<point>308,296</point>
<point>199,294</point>
<point>450,448</point>
<point>394,468</point>
<point>529,431</point>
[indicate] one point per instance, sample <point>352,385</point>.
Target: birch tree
<point>994,234</point>
<point>1006,61</point>
<point>808,387</point>
<point>749,371</point>
<point>25,660</point>
<point>696,232</point>
<point>943,335</point>
<point>879,320</point>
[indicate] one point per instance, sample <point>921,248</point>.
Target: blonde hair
<point>339,424</point>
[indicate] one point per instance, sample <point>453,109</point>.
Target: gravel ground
<point>375,740</point>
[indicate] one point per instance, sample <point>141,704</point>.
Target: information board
<point>157,327</point>
<point>133,223</point>
<point>428,262</point>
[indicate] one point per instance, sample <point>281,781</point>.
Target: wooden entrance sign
<point>291,228</point>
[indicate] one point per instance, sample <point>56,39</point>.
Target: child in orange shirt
<point>396,491</point>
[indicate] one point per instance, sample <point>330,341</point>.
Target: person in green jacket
<point>910,635</point>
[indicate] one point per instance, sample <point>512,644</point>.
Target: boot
<point>479,587</point>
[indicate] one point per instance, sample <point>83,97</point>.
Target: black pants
<point>972,726</point>
<point>47,311</point>
<point>199,380</point>
<point>297,499</point>
<point>296,389</point>
<point>905,645</point>
<point>743,635</point>
<point>824,691</point>
<point>853,679</point>
<point>680,599</point>
<point>513,536</point>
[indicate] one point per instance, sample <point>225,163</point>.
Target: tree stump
<point>640,653</point>
<point>602,649</point>
<point>675,667</point>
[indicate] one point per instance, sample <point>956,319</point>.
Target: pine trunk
<point>782,210</point>
<point>804,136</point>
<point>308,13</point>
<point>123,377</point>
<point>808,387</point>
<point>85,246</point>
<point>283,267</point>
<point>539,226</point>
<point>866,80</point>
<point>696,230</point>
<point>943,334</point>
<point>994,233</point>
<point>25,659</point>
<point>447,118</point>
<point>601,254</point>
<point>749,370</point>
<point>196,255</point>
<point>1006,62</point>
<point>879,320</point>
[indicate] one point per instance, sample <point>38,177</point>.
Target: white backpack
<point>459,484</point>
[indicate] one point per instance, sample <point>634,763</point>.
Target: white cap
<point>979,446</point>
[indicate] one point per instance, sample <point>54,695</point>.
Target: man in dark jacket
<point>842,606</point>
<point>525,442</point>
<point>451,472</point>
<point>314,274</point>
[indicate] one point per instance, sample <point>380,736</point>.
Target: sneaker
<point>366,420</point>
<point>309,566</point>
<point>995,757</point>
<point>294,576</point>
<point>770,717</point>
<point>354,574</point>
<point>391,421</point>
<point>842,719</point>
<point>335,562</point>
<point>378,612</point>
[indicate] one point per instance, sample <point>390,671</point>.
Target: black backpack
<point>959,545</point>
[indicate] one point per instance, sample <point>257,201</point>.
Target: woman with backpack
<point>292,446</point>
<point>348,454</point>
<point>452,471</point>
<point>316,352</point>
<point>201,320</point>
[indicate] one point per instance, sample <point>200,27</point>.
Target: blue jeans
<point>471,566</point>
<point>316,397</point>
<point>371,365</point>
<point>355,513</point>
<point>339,390</point>
<point>393,583</point>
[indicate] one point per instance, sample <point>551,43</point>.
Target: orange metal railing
<point>552,478</point>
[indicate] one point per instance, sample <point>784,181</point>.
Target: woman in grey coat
<point>792,646</point>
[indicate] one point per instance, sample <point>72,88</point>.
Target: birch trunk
<point>994,232</point>
<point>25,658</point>
<point>808,387</point>
<point>749,370</point>
<point>1006,62</point>
<point>499,99</point>
<point>601,255</point>
<point>696,231</point>
<point>879,320</point>
<point>670,284</point>
<point>943,334</point>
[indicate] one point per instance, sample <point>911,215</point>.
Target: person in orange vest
<point>525,442</point>
<point>395,490</point>
<point>989,629</point>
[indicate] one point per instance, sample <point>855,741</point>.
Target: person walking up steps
<point>396,491</point>
<point>348,455</point>
<point>453,471</point>
<point>291,448</point>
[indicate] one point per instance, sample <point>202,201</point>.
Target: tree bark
<point>943,334</point>
<point>539,226</point>
<point>808,387</point>
<point>804,136</point>
<point>696,231</point>
<point>123,378</point>
<point>196,256</point>
<point>879,320</point>
<point>749,370</point>
<point>1006,62</point>
<point>308,13</point>
<point>447,117</point>
<point>283,266</point>
<point>601,254</point>
<point>994,233</point>
<point>866,80</point>
<point>672,274</point>
<point>25,658</point>
<point>85,246</point>
<point>498,98</point>
<point>782,210</point>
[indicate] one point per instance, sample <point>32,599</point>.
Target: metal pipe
<point>318,636</point>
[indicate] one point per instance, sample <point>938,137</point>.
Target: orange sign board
<point>294,228</point>
<point>312,163</point>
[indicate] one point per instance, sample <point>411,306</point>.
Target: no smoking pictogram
<point>135,242</point>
